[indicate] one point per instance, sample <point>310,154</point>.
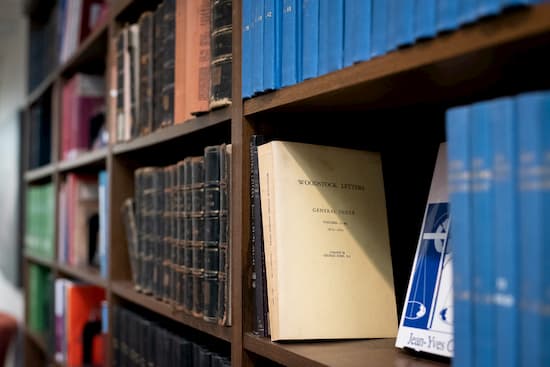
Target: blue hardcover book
<point>509,3</point>
<point>544,124</point>
<point>483,234</point>
<point>379,32</point>
<point>447,15</point>
<point>272,44</point>
<point>310,35</point>
<point>503,126</point>
<point>331,35</point>
<point>487,8</point>
<point>460,172</point>
<point>103,248</point>
<point>400,23</point>
<point>425,16</point>
<point>290,49</point>
<point>467,11</point>
<point>246,36</point>
<point>357,28</point>
<point>427,319</point>
<point>258,47</point>
<point>529,109</point>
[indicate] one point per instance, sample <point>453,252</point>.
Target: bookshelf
<point>394,104</point>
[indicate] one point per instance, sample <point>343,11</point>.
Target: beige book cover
<point>328,263</point>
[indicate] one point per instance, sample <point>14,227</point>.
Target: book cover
<point>326,243</point>
<point>447,15</point>
<point>310,33</point>
<point>425,19</point>
<point>427,319</point>
<point>331,35</point>
<point>272,45</point>
<point>379,36</point>
<point>459,180</point>
<point>246,38</point>
<point>257,68</point>
<point>103,202</point>
<point>357,31</point>
<point>467,11</point>
<point>290,43</point>
<point>400,23</point>
<point>222,56</point>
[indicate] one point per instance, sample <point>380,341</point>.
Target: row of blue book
<point>287,41</point>
<point>499,192</point>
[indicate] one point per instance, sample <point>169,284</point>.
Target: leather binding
<point>197,237</point>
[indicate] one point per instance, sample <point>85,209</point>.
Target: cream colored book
<point>328,263</point>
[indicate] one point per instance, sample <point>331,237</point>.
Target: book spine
<point>487,8</point>
<point>544,308</point>
<point>146,73</point>
<point>483,234</point>
<point>134,53</point>
<point>221,47</point>
<point>224,273</point>
<point>187,292</point>
<point>213,157</point>
<point>178,255</point>
<point>258,47</point>
<point>158,81</point>
<point>140,236</point>
<point>331,35</point>
<point>379,36</point>
<point>197,237</point>
<point>459,180</point>
<point>120,122</point>
<point>401,23</point>
<point>310,32</point>
<point>246,48</point>
<point>158,231</point>
<point>198,55</point>
<point>166,251</point>
<point>357,31</point>
<point>504,131</point>
<point>447,15</point>
<point>168,59</point>
<point>149,228</point>
<point>272,45</point>
<point>289,43</point>
<point>425,16</point>
<point>181,108</point>
<point>467,11</point>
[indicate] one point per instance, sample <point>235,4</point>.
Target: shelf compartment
<point>163,135</point>
<point>93,158</point>
<point>457,67</point>
<point>125,290</point>
<point>349,353</point>
<point>41,173</point>
<point>86,274</point>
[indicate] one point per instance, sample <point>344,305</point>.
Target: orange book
<point>83,316</point>
<point>197,65</point>
<point>181,112</point>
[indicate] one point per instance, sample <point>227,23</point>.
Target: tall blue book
<point>487,8</point>
<point>291,63</point>
<point>427,319</point>
<point>458,128</point>
<point>379,28</point>
<point>272,45</point>
<point>103,204</point>
<point>258,47</point>
<point>545,258</point>
<point>447,15</point>
<point>357,31</point>
<point>400,23</point>
<point>504,132</point>
<point>331,35</point>
<point>246,49</point>
<point>310,36</point>
<point>483,234</point>
<point>425,19</point>
<point>467,11</point>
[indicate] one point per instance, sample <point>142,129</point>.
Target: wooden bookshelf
<point>501,55</point>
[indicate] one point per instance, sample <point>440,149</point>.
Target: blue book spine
<point>331,35</point>
<point>379,33</point>
<point>487,7</point>
<point>545,258</point>
<point>310,35</point>
<point>483,234</point>
<point>503,126</point>
<point>401,23</point>
<point>258,47</point>
<point>272,44</point>
<point>357,31</point>
<point>447,15</point>
<point>104,317</point>
<point>246,48</point>
<point>467,11</point>
<point>103,220</point>
<point>508,3</point>
<point>289,54</point>
<point>459,181</point>
<point>425,12</point>
<point>530,207</point>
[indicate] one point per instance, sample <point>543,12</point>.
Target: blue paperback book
<point>379,28</point>
<point>103,248</point>
<point>246,49</point>
<point>400,23</point>
<point>291,45</point>
<point>447,15</point>
<point>258,47</point>
<point>310,50</point>
<point>272,44</point>
<point>425,16</point>
<point>331,35</point>
<point>357,31</point>
<point>427,320</point>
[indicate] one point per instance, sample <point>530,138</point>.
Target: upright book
<point>426,322</point>
<point>327,253</point>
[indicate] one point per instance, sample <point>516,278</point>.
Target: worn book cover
<point>327,254</point>
<point>427,318</point>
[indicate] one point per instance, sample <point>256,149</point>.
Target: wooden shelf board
<point>40,261</point>
<point>41,88</point>
<point>40,173</point>
<point>125,290</point>
<point>364,353</point>
<point>87,274</point>
<point>465,63</point>
<point>95,157</point>
<point>162,135</point>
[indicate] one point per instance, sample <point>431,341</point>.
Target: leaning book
<point>427,318</point>
<point>326,243</point>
